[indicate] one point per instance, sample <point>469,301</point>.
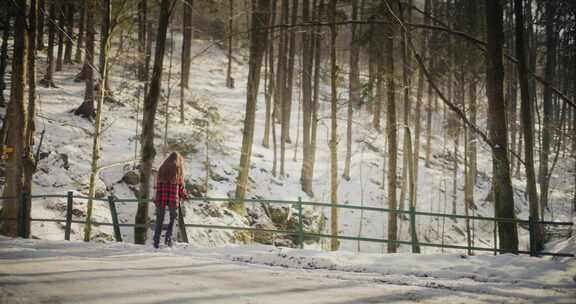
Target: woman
<point>169,192</point>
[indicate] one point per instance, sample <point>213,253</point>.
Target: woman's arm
<point>182,191</point>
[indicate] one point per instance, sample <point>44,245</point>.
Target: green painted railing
<point>300,233</point>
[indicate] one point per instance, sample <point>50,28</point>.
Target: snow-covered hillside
<point>66,153</point>
<point>39,271</point>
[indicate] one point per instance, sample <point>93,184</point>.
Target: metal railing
<point>300,233</point>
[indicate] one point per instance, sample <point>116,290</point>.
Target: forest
<point>455,106</point>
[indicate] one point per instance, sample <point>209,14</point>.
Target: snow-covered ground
<point>40,271</point>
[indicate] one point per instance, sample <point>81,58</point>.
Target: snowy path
<point>74,272</point>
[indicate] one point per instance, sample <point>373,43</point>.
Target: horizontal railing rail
<point>299,233</point>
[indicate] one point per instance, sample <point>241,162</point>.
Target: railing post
<point>182,224</point>
<point>531,234</point>
<point>300,224</point>
<point>114,213</point>
<point>69,207</point>
<point>495,237</point>
<point>413,237</point>
<point>22,215</point>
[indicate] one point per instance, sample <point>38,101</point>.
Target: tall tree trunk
<point>16,114</point>
<point>258,41</point>
<point>142,40</point>
<point>60,31</point>
<point>105,33</point>
<point>307,100</point>
<point>407,86</point>
<point>353,89</point>
<point>527,121</point>
<point>186,51</point>
<point>290,70</point>
<point>334,243</point>
<point>280,98</point>
<point>317,51</point>
<point>503,193</point>
<point>550,70</point>
<point>4,64</point>
<point>269,120</point>
<point>391,135</point>
<point>80,41</point>
<point>418,110</point>
<point>40,25</point>
<point>148,152</point>
<point>103,69</point>
<point>379,90</point>
<point>86,109</point>
<point>229,79</point>
<point>28,159</point>
<point>48,80</point>
<point>69,10</point>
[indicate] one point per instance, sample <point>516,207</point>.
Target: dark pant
<point>158,228</point>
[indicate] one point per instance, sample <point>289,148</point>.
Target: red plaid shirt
<point>167,193</point>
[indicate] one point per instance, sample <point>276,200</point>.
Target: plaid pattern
<point>169,194</point>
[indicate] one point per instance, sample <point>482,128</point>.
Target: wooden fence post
<point>69,207</point>
<point>182,225</point>
<point>531,234</point>
<point>114,213</point>
<point>495,237</point>
<point>413,236</point>
<point>300,224</point>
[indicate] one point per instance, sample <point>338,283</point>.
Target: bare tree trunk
<point>378,99</point>
<point>29,161</point>
<point>334,243</point>
<point>142,40</point>
<point>148,152</point>
<point>431,97</point>
<point>527,122</point>
<point>86,109</point>
<point>186,51</point>
<point>258,42</point>
<point>550,70</point>
<point>16,114</point>
<point>290,71</point>
<point>281,83</point>
<point>48,80</point>
<point>3,65</point>
<point>104,51</point>
<point>503,193</point>
<point>60,32</point>
<point>468,187</point>
<point>391,135</point>
<point>307,100</point>
<point>418,110</point>
<point>354,89</point>
<point>407,85</point>
<point>105,33</point>
<point>229,79</point>
<point>80,42</point>
<point>317,46</point>
<point>40,25</point>
<point>269,120</point>
<point>69,10</point>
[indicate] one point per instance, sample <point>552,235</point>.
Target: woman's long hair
<point>171,170</point>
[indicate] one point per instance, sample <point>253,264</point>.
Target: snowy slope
<point>40,271</point>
